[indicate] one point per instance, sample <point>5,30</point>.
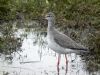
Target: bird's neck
<point>50,24</point>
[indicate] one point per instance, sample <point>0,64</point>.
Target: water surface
<point>35,58</point>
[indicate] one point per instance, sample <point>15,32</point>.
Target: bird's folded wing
<point>66,42</point>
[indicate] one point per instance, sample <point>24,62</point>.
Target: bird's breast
<point>53,45</point>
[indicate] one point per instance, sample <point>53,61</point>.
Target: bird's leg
<point>59,56</point>
<point>66,63</point>
<point>66,59</point>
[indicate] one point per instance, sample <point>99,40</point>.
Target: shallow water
<point>35,59</point>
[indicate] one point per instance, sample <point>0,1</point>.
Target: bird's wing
<point>67,42</point>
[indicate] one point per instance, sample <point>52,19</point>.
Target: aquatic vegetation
<point>79,19</point>
<point>8,42</point>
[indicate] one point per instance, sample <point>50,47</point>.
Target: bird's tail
<point>82,51</point>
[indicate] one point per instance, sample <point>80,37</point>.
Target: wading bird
<point>59,42</point>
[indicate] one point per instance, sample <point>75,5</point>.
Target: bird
<point>59,42</point>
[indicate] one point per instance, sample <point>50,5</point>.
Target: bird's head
<point>50,16</point>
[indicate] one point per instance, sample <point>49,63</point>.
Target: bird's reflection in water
<point>66,69</point>
<point>71,67</point>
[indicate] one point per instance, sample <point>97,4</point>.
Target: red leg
<point>66,59</point>
<point>59,56</point>
<point>66,63</point>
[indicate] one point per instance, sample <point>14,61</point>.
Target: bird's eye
<point>48,16</point>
